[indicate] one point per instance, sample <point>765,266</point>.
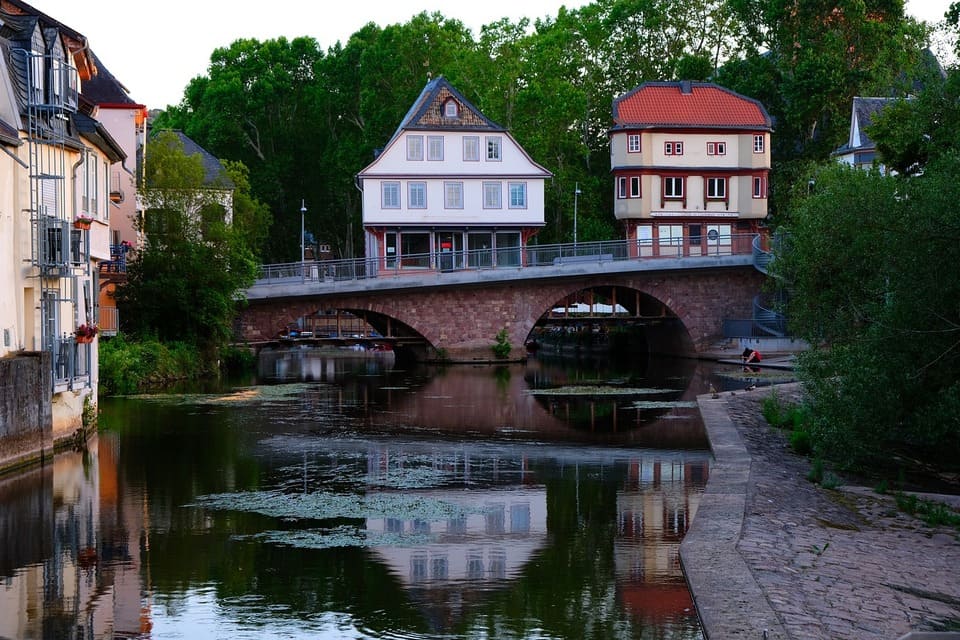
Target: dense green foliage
<point>872,264</point>
<point>307,121</point>
<point>132,366</point>
<point>184,282</point>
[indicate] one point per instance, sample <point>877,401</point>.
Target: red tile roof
<point>664,104</point>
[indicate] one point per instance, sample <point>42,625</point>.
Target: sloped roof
<point>214,173</point>
<point>104,88</point>
<point>688,105</point>
<point>864,109</point>
<point>427,111</point>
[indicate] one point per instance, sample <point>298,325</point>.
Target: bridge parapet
<point>534,262</point>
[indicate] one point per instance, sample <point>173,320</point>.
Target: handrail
<point>531,256</point>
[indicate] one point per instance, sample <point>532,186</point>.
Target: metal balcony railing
<point>71,363</point>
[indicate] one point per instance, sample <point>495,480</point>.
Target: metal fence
<point>71,363</point>
<point>531,256</point>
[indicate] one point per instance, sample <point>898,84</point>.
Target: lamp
<point>303,261</point>
<point>576,194</point>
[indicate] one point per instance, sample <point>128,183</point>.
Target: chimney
<point>686,87</point>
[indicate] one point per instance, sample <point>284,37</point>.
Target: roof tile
<point>664,104</point>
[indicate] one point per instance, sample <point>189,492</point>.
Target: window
<point>414,250</point>
<point>450,109</point>
<point>390,196</point>
<point>633,143</point>
<point>390,249</point>
<point>479,249</point>
<point>414,147</point>
<point>758,143</point>
<point>673,187</point>
<point>716,188</point>
<point>634,186</point>
<point>695,236</point>
<point>508,249</point>
<point>434,147</point>
<point>518,195</point>
<point>670,235</point>
<point>493,148</point>
<point>417,195</point>
<point>758,187</point>
<point>471,149</point>
<point>645,235</point>
<point>716,148</point>
<point>453,195</point>
<point>492,195</point>
<point>673,148</point>
<point>622,187</point>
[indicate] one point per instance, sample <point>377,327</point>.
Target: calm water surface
<point>349,498</point>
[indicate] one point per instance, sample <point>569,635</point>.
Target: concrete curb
<point>713,566</point>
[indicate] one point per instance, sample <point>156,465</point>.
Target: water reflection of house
<point>653,514</point>
<point>490,537</point>
<point>496,534</point>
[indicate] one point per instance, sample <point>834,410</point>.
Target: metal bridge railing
<point>529,257</point>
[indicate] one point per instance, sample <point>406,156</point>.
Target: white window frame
<point>673,193</point>
<point>494,148</point>
<point>518,195</point>
<point>416,195</point>
<point>645,235</point>
<point>673,148</point>
<point>759,190</point>
<point>759,143</point>
<point>492,195</point>
<point>621,187</point>
<point>716,188</point>
<point>435,148</point>
<point>633,143</point>
<point>453,195</point>
<point>451,109</point>
<point>415,148</point>
<point>634,186</point>
<point>717,148</point>
<point>471,148</point>
<point>389,195</point>
<point>670,235</point>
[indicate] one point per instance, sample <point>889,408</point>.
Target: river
<point>348,497</point>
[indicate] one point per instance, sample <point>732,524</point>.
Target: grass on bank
<point>796,418</point>
<point>128,366</point>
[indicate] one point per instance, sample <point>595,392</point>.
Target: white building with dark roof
<point>450,190</point>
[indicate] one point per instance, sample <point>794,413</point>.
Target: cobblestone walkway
<point>832,564</point>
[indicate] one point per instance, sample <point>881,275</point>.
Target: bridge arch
<point>464,319</point>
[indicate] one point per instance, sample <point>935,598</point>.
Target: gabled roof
<point>427,111</point>
<point>688,104</point>
<point>214,173</point>
<point>864,109</point>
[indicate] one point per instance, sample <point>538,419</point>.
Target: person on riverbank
<point>750,355</point>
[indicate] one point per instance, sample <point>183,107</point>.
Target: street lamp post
<point>303,260</point>
<point>576,194</point>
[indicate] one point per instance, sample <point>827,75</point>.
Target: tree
<point>873,265</point>
<point>184,281</point>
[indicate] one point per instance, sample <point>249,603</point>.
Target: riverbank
<point>772,555</point>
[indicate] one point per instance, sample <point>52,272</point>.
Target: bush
<point>129,367</point>
<point>501,348</point>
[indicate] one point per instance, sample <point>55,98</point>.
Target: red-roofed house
<point>690,162</point>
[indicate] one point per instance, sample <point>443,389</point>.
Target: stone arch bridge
<point>462,312</point>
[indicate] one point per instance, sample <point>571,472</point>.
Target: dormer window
<point>451,109</point>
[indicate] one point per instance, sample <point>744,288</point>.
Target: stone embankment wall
<point>26,414</point>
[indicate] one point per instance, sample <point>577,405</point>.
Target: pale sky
<point>155,49</point>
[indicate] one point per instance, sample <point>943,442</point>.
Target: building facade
<point>54,206</point>
<point>450,190</point>
<point>690,164</point>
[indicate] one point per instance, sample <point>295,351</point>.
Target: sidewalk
<point>771,553</point>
